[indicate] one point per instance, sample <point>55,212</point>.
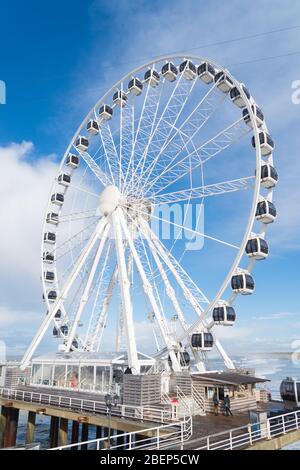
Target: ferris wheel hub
<point>109,199</point>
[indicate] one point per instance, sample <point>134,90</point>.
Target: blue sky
<point>58,58</point>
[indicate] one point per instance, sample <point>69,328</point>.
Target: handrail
<point>245,436</point>
<point>164,436</point>
<point>198,398</point>
<point>143,413</point>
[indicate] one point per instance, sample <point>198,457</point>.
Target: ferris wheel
<point>157,215</point>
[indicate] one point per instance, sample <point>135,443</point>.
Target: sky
<point>58,58</point>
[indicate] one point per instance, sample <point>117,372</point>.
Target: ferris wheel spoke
<point>204,191</point>
<point>181,276</point>
<point>193,231</point>
<point>212,147</point>
<point>79,215</point>
<point>75,239</point>
<point>184,135</point>
<point>167,120</point>
<point>85,296</point>
<point>126,137</point>
<point>86,191</point>
<point>149,292</point>
<point>145,126</point>
<point>102,177</point>
<point>113,161</point>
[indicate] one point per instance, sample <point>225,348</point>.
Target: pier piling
<point>11,428</point>
<point>84,435</point>
<point>54,431</point>
<point>30,431</point>
<point>63,432</point>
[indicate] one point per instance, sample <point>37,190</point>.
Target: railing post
<point>269,429</point>
<point>297,420</point>
<point>283,425</point>
<point>230,440</point>
<point>207,443</point>
<point>157,438</point>
<point>250,434</point>
<point>130,441</point>
<point>182,434</point>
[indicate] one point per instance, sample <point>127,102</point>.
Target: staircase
<point>199,402</point>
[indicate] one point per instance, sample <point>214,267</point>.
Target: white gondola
<point>64,330</point>
<point>58,199</point>
<point>290,391</point>
<point>52,218</point>
<point>135,86</point>
<point>206,72</point>
<point>120,98</point>
<point>257,248</point>
<point>52,295</point>
<point>223,82</point>
<point>236,96</point>
<point>75,344</point>
<point>169,71</point>
<point>64,179</point>
<point>188,69</point>
<point>266,212</point>
<point>72,160</point>
<point>49,276</point>
<point>243,283</point>
<point>152,77</point>
<point>105,112</point>
<point>224,314</point>
<point>49,237</point>
<point>82,143</point>
<point>269,176</point>
<point>92,127</point>
<point>48,257</point>
<point>266,143</point>
<point>55,332</point>
<point>183,358</point>
<point>202,341</point>
<point>258,114</point>
<point>57,315</point>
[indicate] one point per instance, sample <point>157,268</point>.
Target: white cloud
<point>24,191</point>
<point>275,316</point>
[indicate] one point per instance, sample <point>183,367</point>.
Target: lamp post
<point>110,401</point>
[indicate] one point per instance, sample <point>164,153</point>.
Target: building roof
<point>228,378</point>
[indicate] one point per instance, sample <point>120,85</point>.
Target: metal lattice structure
<point>144,147</point>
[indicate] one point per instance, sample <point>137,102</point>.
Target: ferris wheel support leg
<point>46,323</point>
<point>86,292</point>
<point>171,294</point>
<point>149,292</point>
<point>228,362</point>
<point>125,295</point>
<point>105,305</point>
<point>120,325</point>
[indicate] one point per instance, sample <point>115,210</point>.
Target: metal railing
<point>142,413</point>
<point>199,400</point>
<point>160,437</point>
<point>248,435</point>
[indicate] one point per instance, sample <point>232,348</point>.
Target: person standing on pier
<point>216,403</point>
<point>227,406</point>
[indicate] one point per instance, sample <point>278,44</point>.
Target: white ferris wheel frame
<point>119,225</point>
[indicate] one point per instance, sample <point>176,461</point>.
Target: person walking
<point>227,406</point>
<point>216,403</point>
